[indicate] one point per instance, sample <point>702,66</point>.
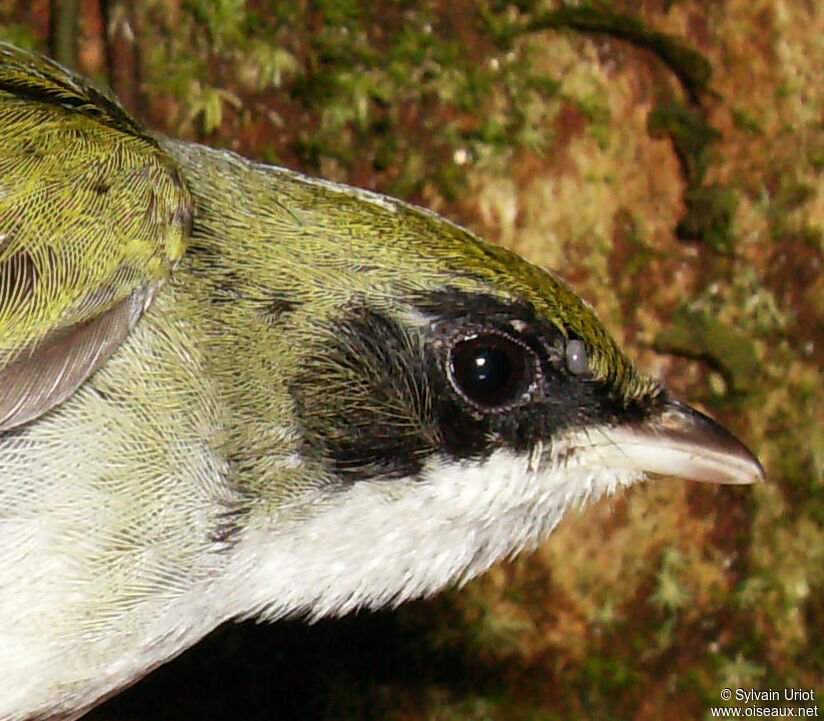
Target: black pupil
<point>489,370</point>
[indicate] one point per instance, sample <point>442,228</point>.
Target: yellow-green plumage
<point>91,209</point>
<point>230,390</point>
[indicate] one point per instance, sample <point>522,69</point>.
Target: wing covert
<point>94,215</point>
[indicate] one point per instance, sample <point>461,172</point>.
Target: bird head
<point>448,401</point>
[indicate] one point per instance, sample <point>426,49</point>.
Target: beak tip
<point>717,455</point>
<point>676,441</point>
<point>761,476</point>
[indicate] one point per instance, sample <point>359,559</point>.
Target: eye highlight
<point>491,371</point>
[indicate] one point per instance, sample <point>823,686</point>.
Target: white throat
<point>382,542</point>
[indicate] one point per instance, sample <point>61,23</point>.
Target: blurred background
<point>666,158</point>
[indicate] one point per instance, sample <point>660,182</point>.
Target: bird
<point>232,391</point>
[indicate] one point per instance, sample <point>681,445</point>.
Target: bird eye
<point>577,360</point>
<point>490,370</point>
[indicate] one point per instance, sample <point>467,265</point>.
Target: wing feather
<point>94,215</point>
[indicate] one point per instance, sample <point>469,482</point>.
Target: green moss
<point>710,211</point>
<point>350,81</point>
<point>671,594</point>
<point>701,335</point>
<point>815,151</point>
<point>746,121</point>
<point>604,680</point>
<point>793,194</point>
<point>691,135</point>
<point>690,67</point>
<point>710,208</point>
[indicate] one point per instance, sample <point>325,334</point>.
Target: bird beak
<point>679,441</point>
